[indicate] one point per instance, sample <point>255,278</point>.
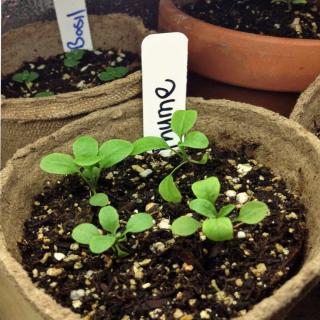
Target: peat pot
<point>307,110</point>
<point>241,58</point>
<point>24,120</point>
<point>283,146</point>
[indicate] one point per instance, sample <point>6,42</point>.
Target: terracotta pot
<point>307,110</point>
<point>283,145</point>
<point>24,120</point>
<point>240,58</point>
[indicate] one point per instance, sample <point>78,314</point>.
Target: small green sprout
<point>298,1</point>
<point>181,123</point>
<point>44,94</point>
<point>89,159</point>
<point>113,73</point>
<point>291,2</point>
<point>99,200</point>
<point>73,58</point>
<point>25,77</point>
<point>217,226</point>
<point>89,234</point>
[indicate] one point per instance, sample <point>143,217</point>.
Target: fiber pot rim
<point>303,109</point>
<point>308,275</point>
<point>11,106</point>
<point>242,35</point>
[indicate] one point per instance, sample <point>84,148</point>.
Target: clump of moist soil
<point>260,16</point>
<point>165,277</point>
<point>55,77</point>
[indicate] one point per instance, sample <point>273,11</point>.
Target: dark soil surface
<point>55,77</point>
<point>260,17</point>
<point>165,277</point>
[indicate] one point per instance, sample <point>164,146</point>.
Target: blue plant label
<point>73,24</point>
<point>164,82</point>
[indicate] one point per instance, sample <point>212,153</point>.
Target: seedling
<point>89,159</point>
<point>181,123</point>
<point>73,58</point>
<point>25,77</point>
<point>217,226</point>
<point>113,235</point>
<point>291,2</point>
<point>99,200</point>
<point>113,73</point>
<point>44,94</point>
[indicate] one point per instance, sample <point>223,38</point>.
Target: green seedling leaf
<point>169,191</point>
<point>114,151</point>
<point>87,162</point>
<point>226,210</point>
<point>32,76</point>
<point>208,189</point>
<point>120,72</point>
<point>44,94</point>
<point>253,212</point>
<point>195,139</point>
<point>218,229</point>
<point>99,200</point>
<point>91,172</point>
<point>299,1</point>
<point>84,232</point>
<point>185,226</point>
<point>182,121</point>
<point>69,55</point>
<point>109,219</point>
<point>85,150</point>
<point>58,163</point>
<point>70,63</point>
<point>112,73</point>
<point>75,54</point>
<point>72,59</point>
<point>25,76</point>
<point>148,144</point>
<point>20,77</point>
<point>204,159</point>
<point>101,243</point>
<point>139,222</point>
<point>121,253</point>
<point>203,207</point>
<point>85,147</point>
<point>106,76</point>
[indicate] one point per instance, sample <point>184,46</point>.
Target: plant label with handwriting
<point>73,24</point>
<point>164,81</point>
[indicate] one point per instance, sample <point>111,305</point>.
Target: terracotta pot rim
<point>244,35</point>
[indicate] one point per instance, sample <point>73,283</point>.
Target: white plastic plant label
<point>164,82</point>
<point>73,24</point>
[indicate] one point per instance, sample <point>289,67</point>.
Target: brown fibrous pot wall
<point>283,145</point>
<point>307,110</point>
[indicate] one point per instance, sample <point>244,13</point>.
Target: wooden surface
<point>281,102</point>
